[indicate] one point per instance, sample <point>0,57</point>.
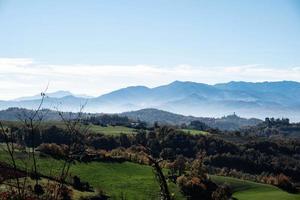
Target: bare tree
<point>31,123</point>
<point>161,179</point>
<point>31,128</point>
<point>10,148</point>
<point>76,147</point>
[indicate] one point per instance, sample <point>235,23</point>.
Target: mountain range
<point>247,99</point>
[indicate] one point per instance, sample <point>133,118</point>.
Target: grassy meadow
<point>137,182</point>
<point>112,130</point>
<point>107,130</point>
<point>248,190</point>
<point>195,132</point>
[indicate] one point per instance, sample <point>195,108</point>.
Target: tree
<point>31,125</point>
<point>10,148</point>
<point>75,148</point>
<point>198,125</point>
<point>124,140</point>
<point>179,164</point>
<point>160,177</point>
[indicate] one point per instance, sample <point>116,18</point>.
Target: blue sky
<point>214,32</point>
<point>169,34</point>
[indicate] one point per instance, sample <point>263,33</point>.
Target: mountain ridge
<point>248,99</point>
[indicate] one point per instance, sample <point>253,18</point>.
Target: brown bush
<point>55,150</point>
<point>282,181</point>
<point>195,188</point>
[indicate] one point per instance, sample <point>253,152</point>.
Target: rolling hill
<point>230,122</point>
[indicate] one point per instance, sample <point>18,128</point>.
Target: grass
<point>112,130</point>
<point>247,190</point>
<point>108,130</point>
<point>195,132</point>
<point>137,182</point>
<point>76,194</point>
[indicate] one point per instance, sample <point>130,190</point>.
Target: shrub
<point>54,150</point>
<point>79,185</point>
<point>285,183</point>
<point>195,188</point>
<point>281,181</point>
<point>223,192</point>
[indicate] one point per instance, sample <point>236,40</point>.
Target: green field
<point>133,180</point>
<point>247,190</point>
<point>107,130</point>
<point>195,132</point>
<point>112,130</point>
<point>137,182</point>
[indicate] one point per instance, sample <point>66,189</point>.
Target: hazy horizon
<point>23,77</point>
<point>96,47</point>
<point>83,95</point>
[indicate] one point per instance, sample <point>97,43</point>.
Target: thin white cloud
<point>15,61</point>
<point>24,76</point>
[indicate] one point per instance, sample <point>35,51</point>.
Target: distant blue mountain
<point>57,94</point>
<point>283,92</point>
<point>263,99</point>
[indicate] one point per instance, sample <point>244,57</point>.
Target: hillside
<point>137,182</point>
<point>247,190</point>
<point>230,122</point>
<point>15,114</point>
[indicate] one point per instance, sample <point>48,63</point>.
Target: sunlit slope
<point>247,190</point>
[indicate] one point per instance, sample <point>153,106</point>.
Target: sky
<point>96,46</point>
